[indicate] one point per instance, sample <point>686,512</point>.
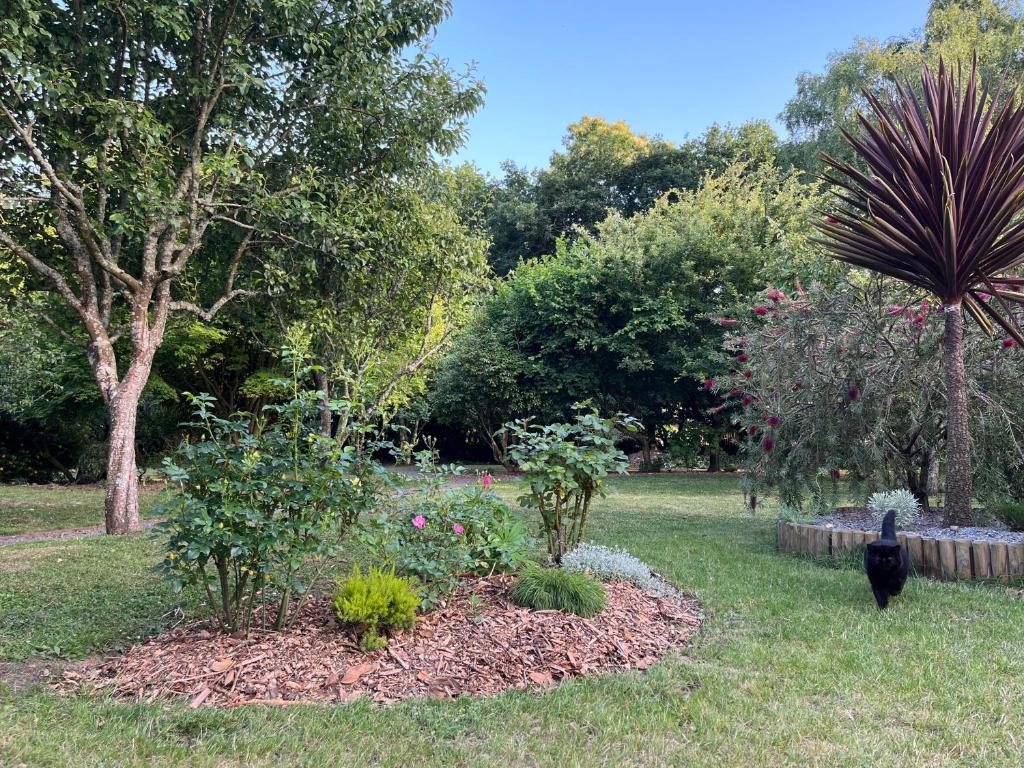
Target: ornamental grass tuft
<point>546,589</point>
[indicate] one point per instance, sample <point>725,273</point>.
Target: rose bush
<point>440,534</point>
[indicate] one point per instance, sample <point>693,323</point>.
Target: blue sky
<point>666,68</point>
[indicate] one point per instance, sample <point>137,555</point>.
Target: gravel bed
<point>929,524</point>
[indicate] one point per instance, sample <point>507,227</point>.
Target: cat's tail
<point>889,525</point>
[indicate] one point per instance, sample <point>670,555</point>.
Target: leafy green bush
<point>565,465</point>
<point>439,535</point>
<point>546,589</point>
<point>376,603</point>
<point>1009,512</point>
<point>260,505</point>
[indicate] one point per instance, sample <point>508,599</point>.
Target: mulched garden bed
<point>480,643</point>
<point>928,524</point>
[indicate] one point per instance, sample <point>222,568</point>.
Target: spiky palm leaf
<point>939,206</point>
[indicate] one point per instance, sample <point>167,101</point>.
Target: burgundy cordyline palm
<point>939,208</point>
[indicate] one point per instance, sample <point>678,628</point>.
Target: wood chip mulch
<point>480,643</point>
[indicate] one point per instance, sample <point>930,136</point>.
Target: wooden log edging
<point>945,559</point>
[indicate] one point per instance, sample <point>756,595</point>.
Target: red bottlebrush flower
<point>918,319</point>
<point>709,384</point>
<point>772,421</point>
<point>748,373</point>
<point>760,311</point>
<point>894,310</point>
<point>853,393</point>
<point>752,430</point>
<point>718,408</point>
<point>775,294</point>
<point>736,392</point>
<point>1008,343</point>
<point>746,401</point>
<point>767,445</point>
<point>742,357</point>
<point>926,306</point>
<point>727,321</point>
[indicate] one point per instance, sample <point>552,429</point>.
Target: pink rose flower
<point>458,529</point>
<point>419,521</point>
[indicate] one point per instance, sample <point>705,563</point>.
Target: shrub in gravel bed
<point>546,589</point>
<point>903,502</point>
<point>613,564</point>
<point>1011,513</point>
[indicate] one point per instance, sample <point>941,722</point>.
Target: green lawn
<point>795,667</point>
<point>46,508</point>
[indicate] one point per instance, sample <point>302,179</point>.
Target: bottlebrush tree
<point>938,208</point>
<point>848,379</point>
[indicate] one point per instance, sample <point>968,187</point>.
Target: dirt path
<point>98,530</point>
<point>62,534</point>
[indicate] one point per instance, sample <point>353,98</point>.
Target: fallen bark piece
<point>354,673</point>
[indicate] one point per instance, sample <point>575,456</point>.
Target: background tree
<point>409,264</point>
<point>138,131</point>
<point>827,103</point>
<point>627,316</point>
<point>939,209</point>
<point>606,167</point>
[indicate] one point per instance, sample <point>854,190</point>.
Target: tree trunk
<point>122,500</point>
<point>714,459</point>
<point>958,435</point>
<point>326,415</point>
<point>917,480</point>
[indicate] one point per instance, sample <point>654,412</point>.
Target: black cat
<point>886,563</point>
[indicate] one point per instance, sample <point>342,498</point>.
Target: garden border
<point>943,559</point>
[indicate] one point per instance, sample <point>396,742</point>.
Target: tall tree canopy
<point>156,146</point>
<point>955,30</point>
<point>607,167</point>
